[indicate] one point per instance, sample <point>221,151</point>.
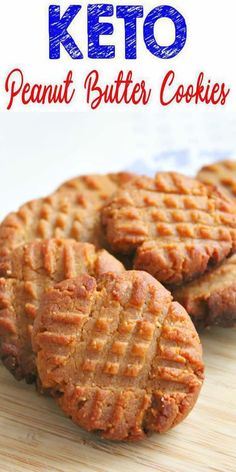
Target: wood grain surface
<point>35,436</point>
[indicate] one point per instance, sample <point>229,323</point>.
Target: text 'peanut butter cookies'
<point>72,212</point>
<point>222,174</point>
<point>211,299</point>
<point>121,357</point>
<point>32,269</point>
<point>176,227</point>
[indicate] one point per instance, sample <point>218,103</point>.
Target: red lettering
<point>123,90</point>
<point>42,94</point>
<point>201,92</point>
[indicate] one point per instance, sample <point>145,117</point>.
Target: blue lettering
<point>58,33</point>
<point>130,14</point>
<point>165,52</point>
<point>97,29</point>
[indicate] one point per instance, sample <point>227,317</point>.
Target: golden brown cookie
<point>222,174</point>
<point>100,186</point>
<point>211,299</point>
<point>72,212</point>
<point>176,227</point>
<point>122,358</point>
<point>30,271</point>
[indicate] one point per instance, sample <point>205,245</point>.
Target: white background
<point>38,151</point>
<point>210,48</point>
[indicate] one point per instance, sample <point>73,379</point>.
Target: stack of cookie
<point>111,346</point>
<point>211,298</point>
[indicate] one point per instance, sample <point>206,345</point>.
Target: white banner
<point>173,69</point>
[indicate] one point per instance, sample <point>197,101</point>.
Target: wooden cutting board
<point>35,436</point>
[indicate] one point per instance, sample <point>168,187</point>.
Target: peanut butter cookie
<point>211,299</point>
<point>122,358</point>
<point>222,174</point>
<point>176,227</point>
<point>100,186</point>
<point>28,273</point>
<point>72,212</point>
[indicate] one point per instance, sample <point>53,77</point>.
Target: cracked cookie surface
<point>176,227</point>
<point>31,270</point>
<point>122,358</point>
